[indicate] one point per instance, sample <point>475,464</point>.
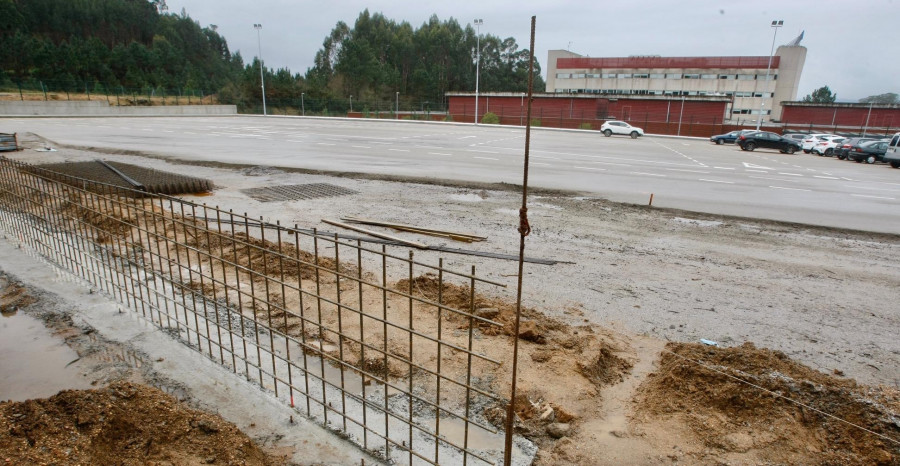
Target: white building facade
<point>743,79</point>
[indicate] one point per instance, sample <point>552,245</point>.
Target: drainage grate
<point>296,192</point>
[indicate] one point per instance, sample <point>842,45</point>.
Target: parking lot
<point>682,173</point>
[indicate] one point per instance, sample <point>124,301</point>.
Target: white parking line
<point>724,168</point>
<point>790,174</point>
<point>325,144</point>
<point>756,171</point>
<point>683,170</point>
<point>773,179</point>
<point>791,189</point>
<point>483,151</point>
<point>399,150</point>
<point>873,197</point>
<point>544,157</point>
<point>826,177</point>
<point>647,174</point>
<point>484,158</point>
<point>539,163</point>
<point>438,153</point>
<point>716,181</point>
<point>591,168</point>
<point>362,147</point>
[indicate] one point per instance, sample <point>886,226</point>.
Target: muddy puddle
<point>33,362</point>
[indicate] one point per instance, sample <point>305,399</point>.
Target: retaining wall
<point>101,108</point>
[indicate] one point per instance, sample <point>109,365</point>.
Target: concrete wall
<point>101,108</point>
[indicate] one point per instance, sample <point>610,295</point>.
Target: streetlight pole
<point>262,78</point>
<point>351,104</point>
<point>775,25</point>
<point>303,103</point>
<point>398,105</point>
<point>478,23</point>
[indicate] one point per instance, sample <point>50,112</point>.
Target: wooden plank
<point>401,226</point>
<point>376,234</point>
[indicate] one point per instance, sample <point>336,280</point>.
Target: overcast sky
<point>852,46</point>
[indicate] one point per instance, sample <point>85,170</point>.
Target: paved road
<point>681,173</point>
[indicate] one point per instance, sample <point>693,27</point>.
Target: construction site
<point>385,311</point>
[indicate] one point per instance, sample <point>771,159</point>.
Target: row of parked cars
<point>859,149</point>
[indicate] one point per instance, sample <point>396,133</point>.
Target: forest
<point>138,47</point>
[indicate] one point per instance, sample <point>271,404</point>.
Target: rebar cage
<point>313,319</point>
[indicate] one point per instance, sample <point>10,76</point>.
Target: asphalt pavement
<point>683,173</point>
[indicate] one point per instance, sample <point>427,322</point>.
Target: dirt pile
<point>729,416</point>
<point>125,423</point>
<point>13,296</point>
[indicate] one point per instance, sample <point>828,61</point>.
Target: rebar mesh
<point>313,319</point>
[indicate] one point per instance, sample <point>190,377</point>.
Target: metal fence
<point>313,319</point>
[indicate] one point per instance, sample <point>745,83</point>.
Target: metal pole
<point>775,25</point>
<point>303,103</point>
<point>398,105</point>
<point>866,128</point>
<point>262,78</point>
<point>524,230</point>
<point>351,104</point>
<point>680,115</point>
<point>478,23</point>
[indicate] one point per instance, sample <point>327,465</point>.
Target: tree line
<point>136,44</point>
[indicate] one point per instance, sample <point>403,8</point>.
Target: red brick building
<point>849,117</point>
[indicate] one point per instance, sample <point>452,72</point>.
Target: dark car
<point>767,140</point>
<point>727,138</point>
<point>869,152</point>
<point>843,149</point>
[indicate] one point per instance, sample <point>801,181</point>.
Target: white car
<point>620,127</point>
<point>814,139</point>
<point>827,145</point>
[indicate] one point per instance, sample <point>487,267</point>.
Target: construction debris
<point>376,234</point>
<point>465,237</point>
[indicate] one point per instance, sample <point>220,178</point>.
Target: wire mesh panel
<point>374,344</point>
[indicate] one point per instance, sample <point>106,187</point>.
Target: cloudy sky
<point>852,46</point>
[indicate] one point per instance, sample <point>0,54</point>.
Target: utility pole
<point>262,78</point>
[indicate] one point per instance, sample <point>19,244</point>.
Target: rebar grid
<point>383,360</point>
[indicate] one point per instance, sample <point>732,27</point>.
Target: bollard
<point>651,199</point>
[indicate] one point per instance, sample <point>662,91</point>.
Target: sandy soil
<point>597,381</point>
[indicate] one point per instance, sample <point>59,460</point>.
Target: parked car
<point>811,140</point>
<point>620,127</point>
<point>892,155</point>
<point>869,152</point>
<point>841,150</point>
<point>729,138</point>
<point>799,137</point>
<point>826,146</point>
<point>767,140</point>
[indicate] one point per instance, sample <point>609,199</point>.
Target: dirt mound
<point>126,424</point>
<point>607,368</point>
<point>729,416</point>
<point>13,296</point>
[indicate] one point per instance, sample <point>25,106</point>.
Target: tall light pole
<point>478,23</point>
<point>351,104</point>
<point>398,105</point>
<point>303,103</point>
<point>775,25</point>
<point>262,78</point>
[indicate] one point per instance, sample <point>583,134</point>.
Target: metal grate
<point>296,192</point>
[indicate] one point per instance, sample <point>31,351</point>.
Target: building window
<point>727,76</point>
<point>691,76</point>
<point>578,76</point>
<point>657,76</point>
<point>609,75</point>
<point>641,75</point>
<point>708,76</point>
<point>563,75</point>
<point>624,75</point>
<point>746,77</point>
<point>592,75</point>
<point>673,75</point>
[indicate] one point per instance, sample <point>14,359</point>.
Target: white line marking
<point>484,158</point>
<point>325,144</point>
<point>362,147</point>
<point>792,189</point>
<point>826,177</point>
<point>543,157</point>
<point>591,168</point>
<point>483,151</point>
<point>683,170</point>
<point>438,153</point>
<point>756,171</point>
<point>724,168</point>
<point>540,163</point>
<point>466,137</point>
<point>399,150</point>
<point>717,181</point>
<point>773,179</point>
<point>790,174</point>
<point>873,197</point>
<point>648,174</point>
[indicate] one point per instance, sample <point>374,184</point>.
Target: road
<point>681,173</point>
